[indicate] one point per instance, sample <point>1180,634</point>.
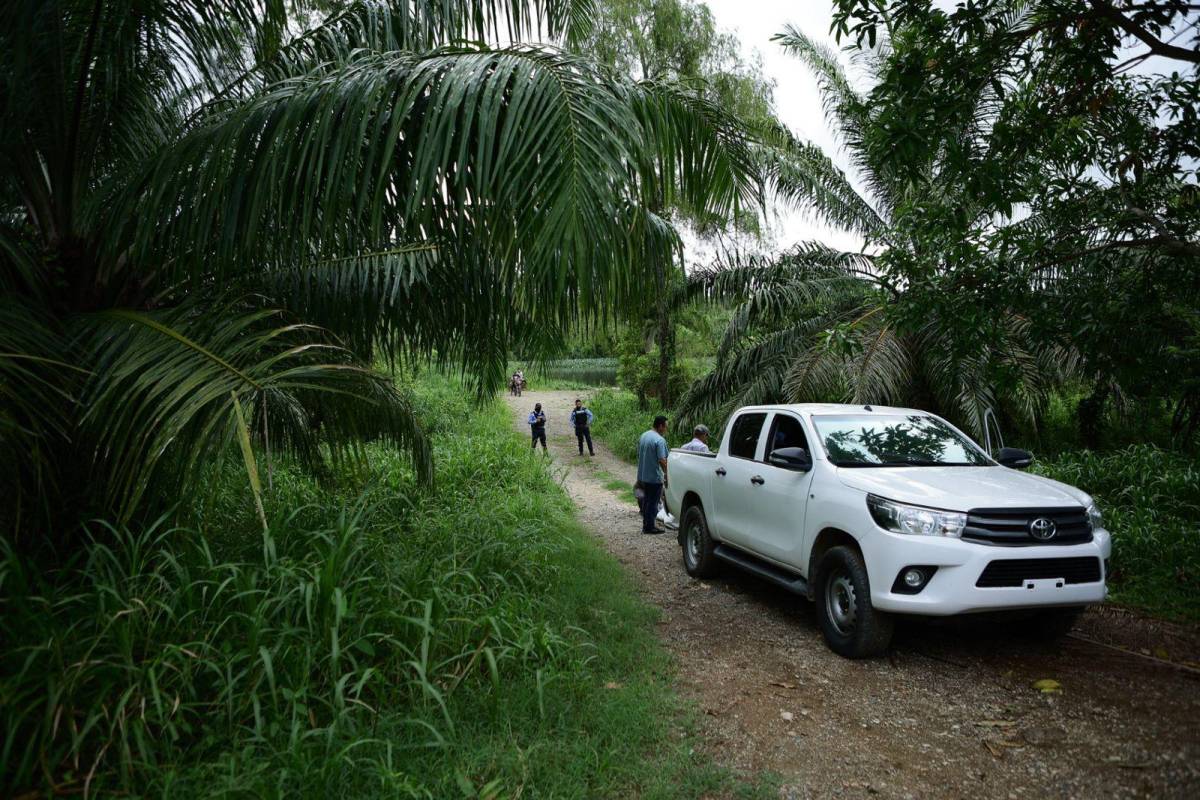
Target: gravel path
<point>951,713</point>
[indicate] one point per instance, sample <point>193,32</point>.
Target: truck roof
<point>833,408</point>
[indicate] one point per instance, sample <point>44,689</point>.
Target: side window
<point>786,431</point>
<point>743,437</point>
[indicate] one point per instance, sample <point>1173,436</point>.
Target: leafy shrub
<point>638,369</point>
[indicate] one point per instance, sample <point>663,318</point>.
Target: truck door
<point>781,499</point>
<point>733,498</point>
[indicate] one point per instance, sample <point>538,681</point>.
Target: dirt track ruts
<point>952,711</point>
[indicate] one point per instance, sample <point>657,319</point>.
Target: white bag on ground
<point>665,517</point>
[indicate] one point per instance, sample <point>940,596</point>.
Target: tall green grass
<point>1150,499</point>
<point>619,422</point>
<point>582,371</point>
<point>569,373</point>
<point>471,641</point>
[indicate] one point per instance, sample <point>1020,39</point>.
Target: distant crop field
<point>570,373</point>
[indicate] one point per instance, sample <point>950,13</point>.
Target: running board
<point>767,571</point>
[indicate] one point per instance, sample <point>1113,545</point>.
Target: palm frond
<point>36,387</point>
<point>383,26</point>
<point>449,146</point>
<point>843,104</point>
<point>802,175</point>
<point>161,394</point>
<point>700,161</point>
<point>750,374</point>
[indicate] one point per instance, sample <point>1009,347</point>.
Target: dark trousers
<point>539,435</point>
<point>582,433</point>
<point>650,505</point>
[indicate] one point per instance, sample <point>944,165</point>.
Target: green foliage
<point>379,640</point>
<point>1150,499</point>
<point>619,422</point>
<point>575,373</point>
<point>638,370</point>
<point>1053,168</point>
<point>678,41</point>
<point>245,202</point>
<point>818,324</point>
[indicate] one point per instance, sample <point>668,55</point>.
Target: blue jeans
<point>650,505</point>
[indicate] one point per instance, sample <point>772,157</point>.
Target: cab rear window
<point>743,437</point>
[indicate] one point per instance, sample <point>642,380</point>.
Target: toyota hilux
<point>872,512</point>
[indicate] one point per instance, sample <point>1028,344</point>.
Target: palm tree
<point>815,323</point>
<point>215,216</point>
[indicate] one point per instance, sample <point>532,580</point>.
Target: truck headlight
<point>901,518</point>
<point>1094,516</point>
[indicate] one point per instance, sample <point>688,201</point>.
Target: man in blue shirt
<point>581,421</point>
<point>652,471</point>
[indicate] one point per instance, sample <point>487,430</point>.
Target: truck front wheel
<point>851,625</point>
<point>698,546</point>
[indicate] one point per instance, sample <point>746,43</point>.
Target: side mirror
<point>796,459</point>
<point>1014,457</point>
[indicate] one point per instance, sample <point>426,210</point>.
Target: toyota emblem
<point>1042,528</point>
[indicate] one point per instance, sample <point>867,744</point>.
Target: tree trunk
<point>666,355</point>
<point>666,339</point>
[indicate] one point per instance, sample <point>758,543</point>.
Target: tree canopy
<point>215,218</point>
<point>1030,210</point>
<point>1070,130</point>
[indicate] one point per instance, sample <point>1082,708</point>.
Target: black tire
<point>1050,625</point>
<point>851,625</point>
<point>698,557</point>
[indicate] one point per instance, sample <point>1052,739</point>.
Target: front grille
<point>1010,526</point>
<point>1015,571</point>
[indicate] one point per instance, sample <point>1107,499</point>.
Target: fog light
<point>913,578</point>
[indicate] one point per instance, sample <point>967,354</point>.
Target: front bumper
<point>952,588</point>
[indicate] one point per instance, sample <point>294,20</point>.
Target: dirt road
<point>951,713</point>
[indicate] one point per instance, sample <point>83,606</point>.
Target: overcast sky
<point>797,101</point>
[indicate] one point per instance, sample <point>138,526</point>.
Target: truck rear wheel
<point>698,557</point>
<point>851,625</point>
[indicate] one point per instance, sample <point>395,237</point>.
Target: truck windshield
<point>878,440</point>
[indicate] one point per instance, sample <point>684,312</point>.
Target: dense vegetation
<point>1028,207</point>
<point>1151,503</point>
<point>620,420</point>
<point>217,218</point>
<point>214,216</point>
<point>238,557</point>
<point>571,373</point>
<point>381,639</point>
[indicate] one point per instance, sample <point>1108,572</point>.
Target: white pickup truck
<point>872,511</point>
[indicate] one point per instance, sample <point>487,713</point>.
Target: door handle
<point>757,480</point>
<point>720,472</point>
